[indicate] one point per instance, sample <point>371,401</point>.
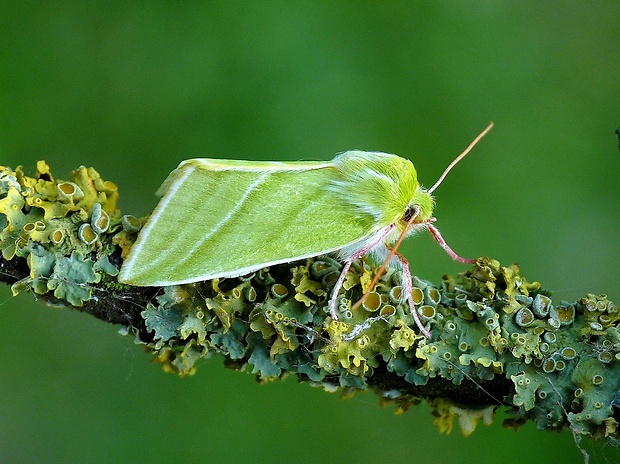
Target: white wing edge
<point>214,164</point>
<point>144,232</point>
<point>357,244</point>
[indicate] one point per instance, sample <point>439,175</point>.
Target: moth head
<point>421,206</point>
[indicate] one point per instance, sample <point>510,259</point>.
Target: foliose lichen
<point>66,231</point>
<point>496,338</point>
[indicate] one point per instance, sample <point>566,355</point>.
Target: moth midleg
<point>379,238</point>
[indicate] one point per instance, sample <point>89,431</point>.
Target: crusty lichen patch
<point>66,230</point>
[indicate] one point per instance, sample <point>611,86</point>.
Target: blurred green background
<point>133,88</point>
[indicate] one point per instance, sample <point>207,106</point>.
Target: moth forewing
<point>222,220</point>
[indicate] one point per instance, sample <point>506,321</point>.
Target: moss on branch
<point>497,339</point>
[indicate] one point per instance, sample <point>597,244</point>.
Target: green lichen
<point>477,336</point>
<point>63,229</point>
<point>496,338</point>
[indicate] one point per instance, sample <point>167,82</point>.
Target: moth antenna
<point>460,157</point>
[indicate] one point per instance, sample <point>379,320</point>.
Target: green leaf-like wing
<point>221,218</point>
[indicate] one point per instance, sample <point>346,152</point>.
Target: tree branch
<point>497,340</point>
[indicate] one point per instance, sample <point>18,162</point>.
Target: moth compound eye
<point>411,211</point>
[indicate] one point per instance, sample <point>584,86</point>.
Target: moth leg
<point>340,283</point>
<point>439,239</point>
<point>347,265</point>
<point>407,289</point>
<point>390,254</point>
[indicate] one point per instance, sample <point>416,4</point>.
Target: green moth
<point>228,218</point>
